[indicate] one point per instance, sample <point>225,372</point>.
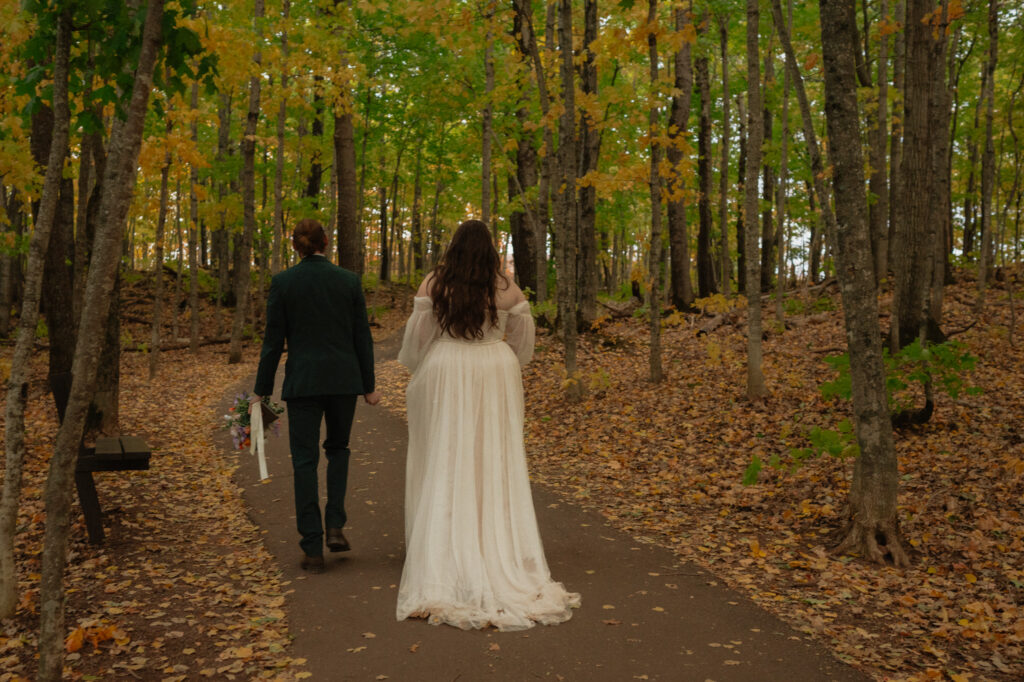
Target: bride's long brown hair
<point>465,282</point>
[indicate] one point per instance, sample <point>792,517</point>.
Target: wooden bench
<point>119,453</point>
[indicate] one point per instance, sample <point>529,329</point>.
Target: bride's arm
<point>520,331</point>
<point>420,331</point>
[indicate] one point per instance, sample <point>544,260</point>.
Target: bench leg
<point>90,505</point>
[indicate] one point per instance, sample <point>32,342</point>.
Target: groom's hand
<point>372,398</point>
<point>254,403</point>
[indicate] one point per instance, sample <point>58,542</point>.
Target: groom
<point>317,310</point>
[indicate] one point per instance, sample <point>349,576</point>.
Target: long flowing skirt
<point>473,551</point>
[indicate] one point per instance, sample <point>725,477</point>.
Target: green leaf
<point>753,469</point>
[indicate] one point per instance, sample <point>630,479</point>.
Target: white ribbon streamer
<point>256,440</point>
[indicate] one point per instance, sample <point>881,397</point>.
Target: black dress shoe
<point>312,564</point>
<point>336,541</point>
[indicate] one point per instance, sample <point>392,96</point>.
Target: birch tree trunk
<point>118,184</point>
<point>653,125</point>
<point>872,525</point>
<point>756,389</point>
<point>248,181</point>
<point>17,383</point>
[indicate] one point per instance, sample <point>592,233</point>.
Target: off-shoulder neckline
<point>521,307</point>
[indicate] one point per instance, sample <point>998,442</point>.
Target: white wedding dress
<point>473,551</point>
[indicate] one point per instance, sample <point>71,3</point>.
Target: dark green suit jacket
<point>317,310</point>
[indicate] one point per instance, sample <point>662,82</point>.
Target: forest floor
<point>184,588</point>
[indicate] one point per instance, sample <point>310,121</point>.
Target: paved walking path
<point>644,615</point>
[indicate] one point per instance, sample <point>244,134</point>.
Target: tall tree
<point>17,382</point>
<point>988,156</point>
<point>878,209</point>
<point>725,259</point>
<point>912,257</point>
<point>158,262</point>
<point>756,389</point>
<point>706,285</point>
<point>655,257</point>
<point>589,154</point>
<point>118,183</point>
<point>567,205</point>
<point>679,117</point>
<point>872,524</point>
<point>248,185</point>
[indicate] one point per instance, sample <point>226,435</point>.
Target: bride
<point>474,556</point>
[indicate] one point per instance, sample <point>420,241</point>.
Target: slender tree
<point>567,206</point>
<point>655,257</point>
<point>118,183</point>
<point>17,382</point>
<point>248,184</point>
<point>756,389</point>
<point>988,156</point>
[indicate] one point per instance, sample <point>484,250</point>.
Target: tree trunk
<point>566,194</point>
<point>939,114</point>
<point>315,178</point>
<point>524,9</point>
<point>220,239</point>
<point>276,250</point>
<point>878,209</point>
<point>780,198</point>
<point>350,254</point>
<point>118,183</point>
<point>248,183</point>
<point>988,156</point>
<point>194,236</point>
<point>679,117</point>
<point>756,389</point>
<point>417,213</point>
<point>655,257</point>
<point>590,149</point>
<point>970,208</point>
<point>158,265</point>
<point>896,136</point>
<point>872,525</point>
<point>486,116</point>
<point>913,259</point>
<point>706,285</point>
<point>17,383</point>
<point>768,236</point>
<point>58,278</point>
<point>385,251</point>
<point>741,183</point>
<point>723,171</point>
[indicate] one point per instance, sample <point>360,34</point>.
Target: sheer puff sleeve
<point>520,331</point>
<point>420,331</point>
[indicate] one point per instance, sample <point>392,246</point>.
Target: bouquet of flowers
<point>238,422</point>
